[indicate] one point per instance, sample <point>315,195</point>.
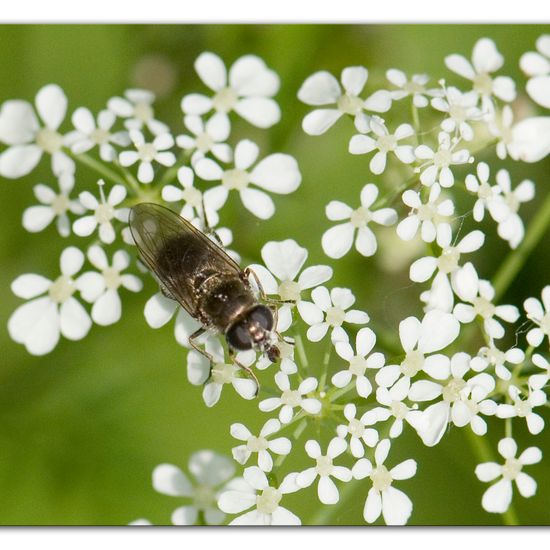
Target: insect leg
<point>246,274</point>
<point>195,346</point>
<point>208,229</point>
<point>248,370</point>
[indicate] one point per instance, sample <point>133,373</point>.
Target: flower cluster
<point>446,365</point>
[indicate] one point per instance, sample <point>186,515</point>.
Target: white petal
<point>277,173</point>
<point>396,506</point>
<point>498,497</point>
<point>259,111</point>
<point>354,79</point>
<point>365,243</point>
<point>327,491</point>
<point>258,202</point>
<point>438,331</point>
<point>250,76</point>
<point>185,515</point>
<point>74,320</point>
<point>320,88</point>
<point>337,240</point>
<point>319,121</point>
<point>51,104</point>
<point>30,285</point>
<point>314,275</point>
<point>170,480</point>
<point>422,269</point>
<point>19,160</point>
<point>373,506</point>
<point>211,70</point>
<point>530,139</point>
<point>107,308</point>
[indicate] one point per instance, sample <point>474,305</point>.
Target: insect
<point>204,280</point>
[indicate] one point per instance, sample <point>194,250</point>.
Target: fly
<point>204,280</point>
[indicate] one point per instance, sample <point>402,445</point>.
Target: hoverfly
<point>204,280</point>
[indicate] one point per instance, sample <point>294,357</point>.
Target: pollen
<point>61,289</point>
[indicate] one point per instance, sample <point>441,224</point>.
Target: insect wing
<point>174,250</point>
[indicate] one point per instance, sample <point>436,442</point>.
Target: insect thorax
<point>222,298</point>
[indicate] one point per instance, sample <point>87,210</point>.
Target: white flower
<point>530,139</point>
<point>523,408</point>
<point>89,134</point>
<point>358,362</point>
<point>357,429</point>
<point>461,108</point>
<point>276,173</point>
<point>337,240</point>
<point>39,323</point>
<point>212,474</point>
<point>137,108</point>
<point>504,211</point>
<point>216,374</point>
<point>104,212</point>
<point>498,497</point>
<point>290,399</point>
<point>537,63</point>
<point>486,194</point>
<point>393,406</point>
<point>247,90</point>
<point>480,294</point>
<point>438,162</point>
<point>334,306</point>
<point>263,497</point>
<point>538,381</point>
<point>147,153</point>
<point>461,400</point>
<point>432,216</point>
<point>394,505</point>
<point>286,356</point>
<point>193,198</point>
<point>384,143</point>
<point>448,261</point>
<point>102,288</point>
<point>284,260</point>
<point>485,60</point>
<point>159,310</point>
<point>415,87</point>
<point>436,331</point>
<point>28,139</point>
<point>53,205</point>
<point>500,126</point>
<point>540,316</point>
<point>325,469</point>
<point>259,444</point>
<point>207,137</point>
<point>537,66</point>
<point>321,88</point>
<point>492,356</point>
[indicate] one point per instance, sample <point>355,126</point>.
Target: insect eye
<point>262,316</point>
<point>238,336</point>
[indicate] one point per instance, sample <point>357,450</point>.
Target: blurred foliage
<point>81,429</point>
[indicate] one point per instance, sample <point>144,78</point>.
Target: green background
<point>81,429</point>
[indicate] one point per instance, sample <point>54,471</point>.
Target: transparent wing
<point>176,251</point>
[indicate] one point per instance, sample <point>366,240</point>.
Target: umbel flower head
<point>52,310</point>
<point>29,137</point>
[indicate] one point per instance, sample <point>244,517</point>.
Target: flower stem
<point>513,263</point>
<point>97,166</point>
<point>483,452</point>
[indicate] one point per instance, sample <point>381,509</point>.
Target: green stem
<point>97,166</point>
<point>513,263</point>
<point>482,450</point>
